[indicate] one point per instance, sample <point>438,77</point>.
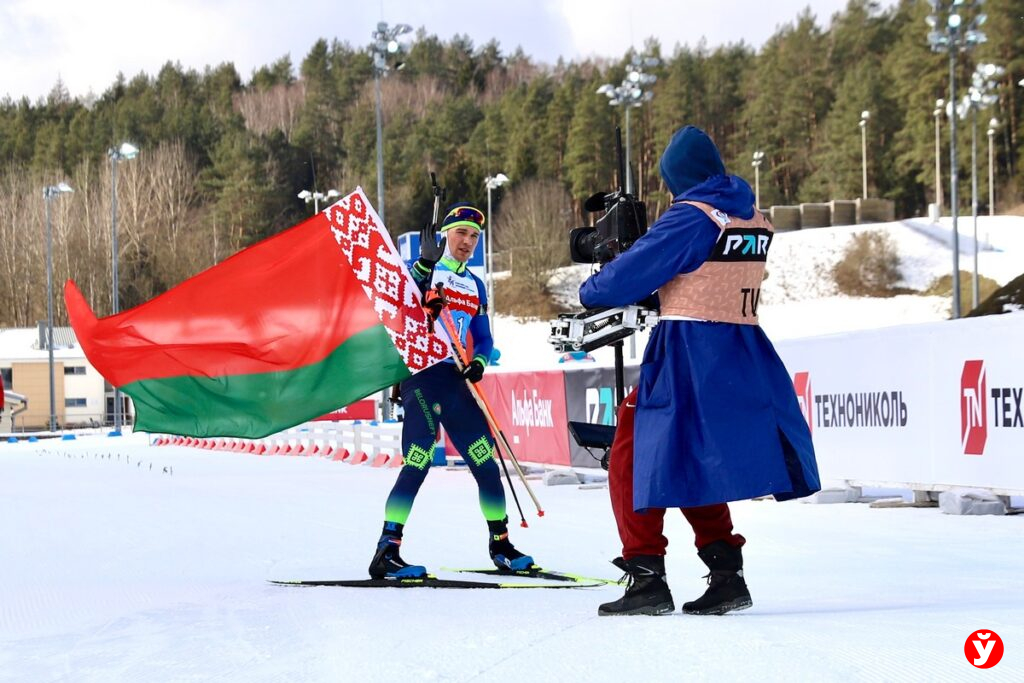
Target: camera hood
<point>597,201</point>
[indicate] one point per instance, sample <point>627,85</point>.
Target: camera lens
<point>583,244</point>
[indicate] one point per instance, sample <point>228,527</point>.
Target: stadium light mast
<point>385,44</point>
<point>125,152</point>
<point>49,192</point>
<point>993,123</point>
<point>629,94</point>
<point>756,163</point>
<point>940,106</point>
<point>317,197</point>
<point>980,95</point>
<point>864,116</point>
<point>491,183</point>
<point>951,33</point>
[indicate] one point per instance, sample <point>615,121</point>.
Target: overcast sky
<point>87,43</point>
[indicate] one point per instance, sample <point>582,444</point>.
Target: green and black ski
<point>434,582</point>
<point>536,573</point>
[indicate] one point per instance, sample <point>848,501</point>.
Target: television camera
<point>623,223</point>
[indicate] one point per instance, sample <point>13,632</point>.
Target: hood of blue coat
<point>689,159</point>
<point>692,168</point>
<point>728,193</point>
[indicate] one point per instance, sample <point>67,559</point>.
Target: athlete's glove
<point>474,372</point>
<point>430,250</point>
<point>433,302</point>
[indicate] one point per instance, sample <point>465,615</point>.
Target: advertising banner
<point>530,408</point>
<point>978,389</point>
<point>365,409</point>
<point>928,406</point>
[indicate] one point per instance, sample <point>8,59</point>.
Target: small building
<point>82,397</point>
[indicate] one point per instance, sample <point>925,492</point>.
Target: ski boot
<point>387,563</point>
<point>503,553</point>
<point>727,590</point>
<point>646,589</point>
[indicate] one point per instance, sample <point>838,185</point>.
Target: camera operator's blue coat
<point>717,418</point>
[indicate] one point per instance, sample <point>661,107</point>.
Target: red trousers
<point>641,533</point>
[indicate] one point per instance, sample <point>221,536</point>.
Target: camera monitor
<point>589,435</point>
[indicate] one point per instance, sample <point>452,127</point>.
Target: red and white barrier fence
<point>377,444</point>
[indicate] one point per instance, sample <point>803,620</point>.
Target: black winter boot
<point>727,590</point>
<point>646,590</point>
<point>503,554</point>
<point>387,563</point>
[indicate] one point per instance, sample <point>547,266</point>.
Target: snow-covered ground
<point>124,562</point>
<point>121,561</point>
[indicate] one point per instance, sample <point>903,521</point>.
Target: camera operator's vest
<point>726,287</point>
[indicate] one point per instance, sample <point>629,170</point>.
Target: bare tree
<point>23,250</point>
<point>532,231</point>
<point>275,108</point>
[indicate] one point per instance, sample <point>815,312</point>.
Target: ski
<point>429,582</point>
<point>535,573</point>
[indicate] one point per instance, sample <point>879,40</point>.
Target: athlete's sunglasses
<point>466,213</point>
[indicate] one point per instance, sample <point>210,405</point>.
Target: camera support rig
<point>591,330</point>
<point>599,327</point>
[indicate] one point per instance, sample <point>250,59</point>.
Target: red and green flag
<point>291,328</point>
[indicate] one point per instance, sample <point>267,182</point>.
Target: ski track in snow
<point>113,571</point>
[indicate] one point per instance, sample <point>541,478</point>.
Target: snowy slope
<point>122,562</point>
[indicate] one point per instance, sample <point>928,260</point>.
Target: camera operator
<point>714,417</point>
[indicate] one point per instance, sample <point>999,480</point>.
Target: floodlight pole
<point>991,168</point>
<point>49,310</point>
<point>489,236</point>
<point>864,116</point>
<point>949,34</point>
<point>380,142</point>
<point>954,183</point>
<point>631,93</point>
<point>114,299</point>
<point>385,41</point>
<point>756,163</point>
<point>315,197</point>
<point>49,192</point>
<point>491,183</point>
<point>974,199</point>
<point>123,153</point>
<point>937,113</point>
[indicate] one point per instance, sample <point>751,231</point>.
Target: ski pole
<point>478,396</point>
<point>439,195</point>
<point>481,399</point>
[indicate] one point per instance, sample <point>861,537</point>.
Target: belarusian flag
<point>291,328</point>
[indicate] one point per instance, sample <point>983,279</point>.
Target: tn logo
<point>973,422</point>
<point>750,244</point>
<point>804,396</point>
<point>983,649</point>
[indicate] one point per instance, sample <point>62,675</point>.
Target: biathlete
<point>439,396</point>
